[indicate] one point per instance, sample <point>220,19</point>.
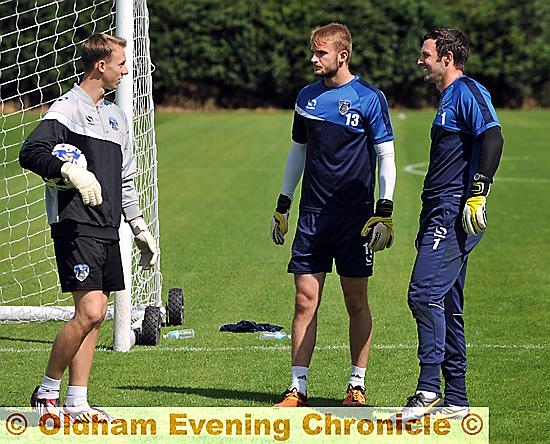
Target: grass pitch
<point>219,177</point>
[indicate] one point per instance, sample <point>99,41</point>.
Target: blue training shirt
<point>465,112</point>
<point>340,127</point>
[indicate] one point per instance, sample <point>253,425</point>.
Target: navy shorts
<point>322,238</point>
<point>87,263</point>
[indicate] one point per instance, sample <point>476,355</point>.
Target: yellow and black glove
<point>379,228</point>
<point>474,217</point>
<point>279,221</point>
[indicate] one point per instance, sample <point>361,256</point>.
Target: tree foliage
<point>255,53</point>
<point>247,53</point>
<point>37,47</point>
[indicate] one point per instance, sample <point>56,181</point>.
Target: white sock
<point>77,396</point>
<point>49,388</point>
<point>357,377</point>
<point>299,378</point>
<point>428,396</point>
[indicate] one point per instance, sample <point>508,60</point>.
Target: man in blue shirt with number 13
<point>341,127</point>
<point>464,156</point>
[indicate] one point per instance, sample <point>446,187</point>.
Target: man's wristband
<point>481,185</point>
<point>384,208</point>
<point>138,225</point>
<point>283,204</point>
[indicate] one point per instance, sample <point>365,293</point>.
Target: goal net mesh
<point>39,61</point>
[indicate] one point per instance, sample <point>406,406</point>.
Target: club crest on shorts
<point>81,271</point>
<point>344,105</point>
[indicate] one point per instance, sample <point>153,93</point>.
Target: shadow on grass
<point>36,341</point>
<point>208,392</point>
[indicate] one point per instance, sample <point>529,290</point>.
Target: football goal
<point>39,60</point>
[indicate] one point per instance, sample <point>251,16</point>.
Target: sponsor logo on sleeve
<point>311,104</point>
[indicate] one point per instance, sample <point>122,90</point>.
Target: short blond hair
<point>99,47</point>
<point>335,33</point>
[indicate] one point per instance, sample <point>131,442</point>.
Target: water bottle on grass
<point>277,335</point>
<point>180,334</point>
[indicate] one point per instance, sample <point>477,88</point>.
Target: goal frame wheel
<point>175,307</point>
<point>149,333</point>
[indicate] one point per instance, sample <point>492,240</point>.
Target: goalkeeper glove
<point>474,219</point>
<point>85,182</point>
<point>379,229</point>
<point>279,221</point>
<point>145,242</point>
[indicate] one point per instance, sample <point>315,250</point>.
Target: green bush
<point>255,53</point>
<point>248,53</point>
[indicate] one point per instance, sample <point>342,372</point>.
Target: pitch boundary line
<point>419,169</point>
<point>281,347</point>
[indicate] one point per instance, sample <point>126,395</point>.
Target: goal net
<point>40,42</point>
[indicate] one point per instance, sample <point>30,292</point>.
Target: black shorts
<point>322,238</point>
<point>87,263</point>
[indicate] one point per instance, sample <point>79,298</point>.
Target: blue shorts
<point>87,263</point>
<point>322,238</point>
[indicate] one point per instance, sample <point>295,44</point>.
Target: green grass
<point>219,177</point>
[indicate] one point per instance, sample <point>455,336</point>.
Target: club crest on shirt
<point>81,271</point>
<point>113,122</point>
<point>344,105</point>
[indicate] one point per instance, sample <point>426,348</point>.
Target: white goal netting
<point>39,60</point>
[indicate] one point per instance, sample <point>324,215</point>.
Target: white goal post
<point>39,60</point>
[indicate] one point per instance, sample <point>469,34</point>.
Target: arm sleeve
<point>377,117</point>
<point>36,152</point>
<point>294,169</point>
<point>490,151</point>
<point>476,107</point>
<point>386,169</point>
<point>299,129</point>
<point>130,202</point>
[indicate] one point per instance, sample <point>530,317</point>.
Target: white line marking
<point>413,168</point>
<point>420,168</point>
<point>284,347</point>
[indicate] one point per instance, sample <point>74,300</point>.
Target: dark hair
<point>453,40</point>
<point>98,47</point>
